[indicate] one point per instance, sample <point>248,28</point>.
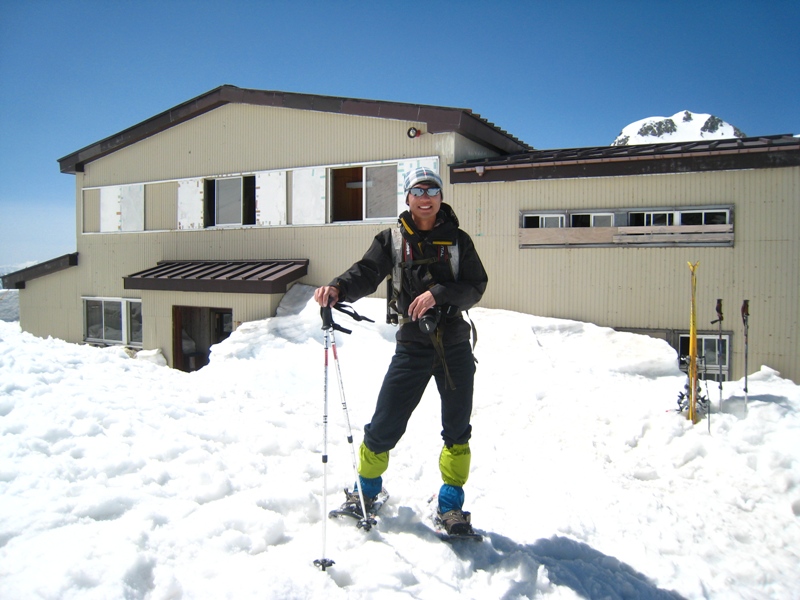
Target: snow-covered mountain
<point>684,126</point>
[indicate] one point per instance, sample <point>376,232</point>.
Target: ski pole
<point>719,358</point>
<point>692,416</point>
<point>366,523</point>
<point>746,322</point>
<point>324,563</point>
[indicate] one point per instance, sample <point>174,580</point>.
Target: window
<point>709,225</point>
<point>135,323</point>
<point>704,217</point>
<point>708,359</point>
<point>687,217</point>
<point>366,192</point>
<point>113,321</point>
<point>592,220</point>
<point>543,221</point>
<point>230,201</point>
<point>650,219</point>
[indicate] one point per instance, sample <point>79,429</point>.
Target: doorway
<point>194,330</point>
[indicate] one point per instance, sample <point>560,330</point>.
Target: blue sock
<point>370,486</point>
<point>450,498</point>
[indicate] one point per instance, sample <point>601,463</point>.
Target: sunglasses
<point>419,192</point>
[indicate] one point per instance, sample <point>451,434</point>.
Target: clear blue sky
<point>555,74</point>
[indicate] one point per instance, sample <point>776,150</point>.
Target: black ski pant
<point>411,369</point>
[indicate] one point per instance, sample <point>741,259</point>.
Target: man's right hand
<point>327,295</point>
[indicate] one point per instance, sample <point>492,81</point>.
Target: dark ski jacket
<point>452,296</point>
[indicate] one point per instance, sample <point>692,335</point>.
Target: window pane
<point>112,321</point>
<point>602,220</point>
<point>381,192</point>
<point>229,201</point>
<point>581,220</point>
<point>94,319</point>
<point>530,222</point>
<point>716,218</point>
<point>552,221</point>
<point>660,219</point>
<point>636,219</point>
<point>347,188</point>
<point>709,350</point>
<point>135,322</point>
<point>691,218</point>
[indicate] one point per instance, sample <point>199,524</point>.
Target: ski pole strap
<point>436,340</point>
<point>351,312</point>
<point>327,320</point>
<point>719,312</point>
<point>327,317</point>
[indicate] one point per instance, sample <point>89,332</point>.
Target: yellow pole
<point>692,416</point>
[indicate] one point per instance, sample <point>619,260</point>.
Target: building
<point>200,217</point>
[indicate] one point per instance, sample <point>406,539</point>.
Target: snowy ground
<point>120,478</point>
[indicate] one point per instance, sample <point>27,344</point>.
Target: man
<point>433,338</point>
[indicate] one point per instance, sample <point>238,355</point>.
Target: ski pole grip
<point>327,317</point>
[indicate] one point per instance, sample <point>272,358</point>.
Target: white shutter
<point>109,209</point>
<point>271,198</point>
<point>131,204</point>
<point>190,204</point>
<point>308,196</point>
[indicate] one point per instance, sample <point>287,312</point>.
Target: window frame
<point>542,217</point>
<point>127,326</point>
<point>246,201</point>
<point>711,370</point>
<point>592,215</point>
<point>364,187</point>
<point>704,212</point>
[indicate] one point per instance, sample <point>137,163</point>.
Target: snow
<point>122,478</point>
<point>683,126</point>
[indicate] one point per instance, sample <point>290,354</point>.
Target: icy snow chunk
<point>153,356</point>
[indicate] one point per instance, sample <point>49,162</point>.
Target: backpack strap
<point>395,279</point>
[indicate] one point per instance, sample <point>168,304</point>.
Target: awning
<point>235,277</point>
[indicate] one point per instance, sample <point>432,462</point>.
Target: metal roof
<point>17,279</point>
<point>237,277</point>
<point>439,119</point>
<point>737,153</point>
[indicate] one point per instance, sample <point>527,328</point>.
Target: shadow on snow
<point>578,566</point>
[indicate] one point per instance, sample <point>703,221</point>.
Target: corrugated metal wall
<point>91,211</point>
<point>650,287</point>
<point>161,206</point>
<point>238,138</point>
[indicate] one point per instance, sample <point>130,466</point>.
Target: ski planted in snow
<point>355,512</point>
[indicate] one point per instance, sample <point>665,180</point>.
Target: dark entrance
<point>194,331</point>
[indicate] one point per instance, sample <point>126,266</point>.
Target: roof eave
<point>746,153</point>
<point>17,279</point>
<point>438,119</point>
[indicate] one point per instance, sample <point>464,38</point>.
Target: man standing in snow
<point>433,338</point>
